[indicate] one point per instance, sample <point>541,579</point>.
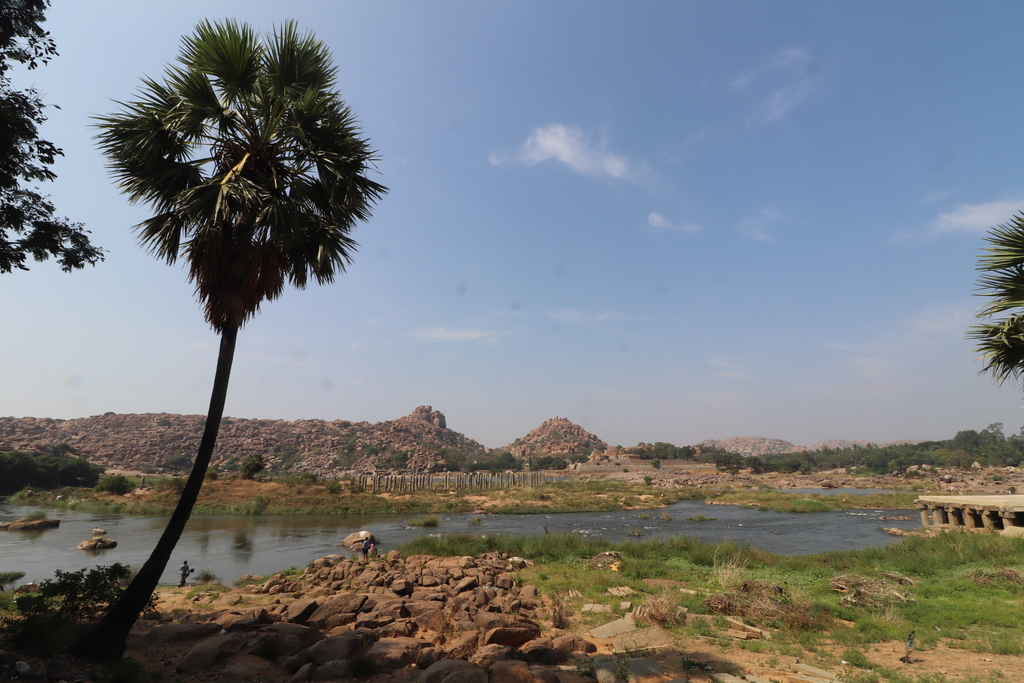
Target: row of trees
<point>19,469</point>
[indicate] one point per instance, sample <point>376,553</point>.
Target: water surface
<point>232,546</point>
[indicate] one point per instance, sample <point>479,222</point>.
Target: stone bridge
<point>995,514</point>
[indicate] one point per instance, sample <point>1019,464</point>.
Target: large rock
<point>327,615</point>
<point>174,633</point>
<point>516,671</point>
<point>453,671</point>
<point>204,654</point>
<point>345,646</point>
<point>300,610</point>
<point>574,643</point>
<point>489,654</point>
<point>31,524</point>
<point>396,653</point>
<point>513,637</point>
<point>354,541</point>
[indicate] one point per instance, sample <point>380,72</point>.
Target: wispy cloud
<point>574,317</point>
<point>445,334</point>
<point>757,227</point>
<point>571,147</point>
<point>731,367</point>
<point>975,218</point>
<point>788,80</point>
<point>656,220</point>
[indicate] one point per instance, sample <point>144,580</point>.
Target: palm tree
<point>257,174</point>
<point>1000,341</point>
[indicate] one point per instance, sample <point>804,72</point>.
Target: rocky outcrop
<point>26,524</point>
<point>557,437</point>
<point>167,442</point>
<point>451,617</point>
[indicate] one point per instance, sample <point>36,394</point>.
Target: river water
<point>232,546</point>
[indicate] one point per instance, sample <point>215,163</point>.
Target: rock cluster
<point>168,441</point>
<point>557,436</point>
<point>452,617</point>
<point>26,524</point>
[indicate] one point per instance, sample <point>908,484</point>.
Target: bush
<point>117,484</point>
<point>429,520</point>
<point>44,620</point>
<point>9,579</point>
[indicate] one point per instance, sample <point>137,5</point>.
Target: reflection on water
<point>231,546</point>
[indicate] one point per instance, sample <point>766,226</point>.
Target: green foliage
<point>429,520</point>
<point>251,466</point>
<point>19,470</point>
<point>548,462</point>
<point>30,227</point>
<point>45,619</point>
<point>174,484</point>
<point>177,461</point>
<point>117,484</point>
<point>163,422</point>
<point>9,579</point>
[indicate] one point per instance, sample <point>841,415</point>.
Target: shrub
<point>117,484</point>
<point>175,484</point>
<point>10,578</point>
<point>206,576</point>
<point>44,620</point>
<point>429,520</point>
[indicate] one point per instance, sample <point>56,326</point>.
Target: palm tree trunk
<point>106,640</point>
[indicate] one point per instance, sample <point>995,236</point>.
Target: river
<point>232,546</point>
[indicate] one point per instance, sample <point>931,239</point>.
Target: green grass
<point>956,585</point>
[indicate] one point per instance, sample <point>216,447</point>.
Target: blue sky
<point>664,221</point>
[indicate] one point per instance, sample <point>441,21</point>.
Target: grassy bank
<point>298,497</point>
<point>962,590</point>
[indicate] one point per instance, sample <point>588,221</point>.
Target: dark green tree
<point>252,466</point>
<point>257,173</point>
<point>28,226</point>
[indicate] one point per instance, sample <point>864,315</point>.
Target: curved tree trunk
<point>106,640</point>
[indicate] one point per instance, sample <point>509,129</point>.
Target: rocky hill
<point>759,445</point>
<point>168,442</point>
<point>557,436</point>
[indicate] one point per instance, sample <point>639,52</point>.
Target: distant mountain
<point>557,436</point>
<point>759,445</point>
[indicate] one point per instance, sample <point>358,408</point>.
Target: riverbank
<point>298,496</point>
<point>704,608</point>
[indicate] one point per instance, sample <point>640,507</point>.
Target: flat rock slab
<point>614,628</point>
<point>814,671</point>
<point>726,678</point>
<point>807,678</point>
<point>620,591</point>
<point>590,607</point>
<point>653,637</point>
<point>644,671</point>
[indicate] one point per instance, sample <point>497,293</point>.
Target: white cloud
<point>731,367</point>
<point>574,317</point>
<point>756,227</point>
<point>445,334</point>
<point>787,79</point>
<point>656,220</point>
<point>975,218</point>
<point>569,146</point>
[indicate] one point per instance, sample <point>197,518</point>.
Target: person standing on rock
<point>366,549</point>
<point>184,570</point>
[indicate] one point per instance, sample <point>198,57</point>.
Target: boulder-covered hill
<point>759,445</point>
<point>167,441</point>
<point>556,437</point>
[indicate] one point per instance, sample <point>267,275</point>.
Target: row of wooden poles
<point>448,480</point>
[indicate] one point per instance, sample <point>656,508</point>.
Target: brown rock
<point>513,637</point>
<point>543,654</point>
<point>300,610</point>
<point>204,654</point>
<point>395,653</point>
<point>489,654</point>
<point>515,671</point>
<point>453,671</point>
<point>574,643</point>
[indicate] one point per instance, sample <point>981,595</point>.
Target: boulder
<point>354,541</point>
<point>204,654</point>
<point>300,610</point>
<point>453,671</point>
<point>574,643</point>
<point>426,657</point>
<point>396,653</point>
<point>345,646</point>
<point>174,633</point>
<point>402,587</point>
<point>513,637</point>
<point>100,543</point>
<point>516,671</point>
<point>542,654</point>
<point>489,654</point>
